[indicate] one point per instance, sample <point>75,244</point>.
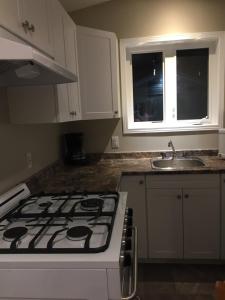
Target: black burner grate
<point>52,214</point>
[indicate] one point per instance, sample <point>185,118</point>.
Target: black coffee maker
<point>72,149</point>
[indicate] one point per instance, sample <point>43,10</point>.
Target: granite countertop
<point>105,174</point>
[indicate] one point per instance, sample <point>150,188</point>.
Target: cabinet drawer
<point>193,181</point>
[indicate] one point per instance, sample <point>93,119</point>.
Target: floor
<point>178,281</point>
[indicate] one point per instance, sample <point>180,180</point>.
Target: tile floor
<point>178,281</point>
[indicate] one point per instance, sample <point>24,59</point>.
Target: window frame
<point>168,44</point>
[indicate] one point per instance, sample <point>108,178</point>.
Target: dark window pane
<point>192,84</point>
<point>148,86</point>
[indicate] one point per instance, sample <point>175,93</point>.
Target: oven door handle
<point>135,266</point>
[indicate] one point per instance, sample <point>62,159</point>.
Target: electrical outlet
<point>29,160</point>
<point>115,142</point>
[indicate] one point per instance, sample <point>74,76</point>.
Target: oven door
<point>129,266</point>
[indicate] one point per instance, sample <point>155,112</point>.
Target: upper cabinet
<point>99,74</point>
<point>29,19</point>
<point>48,104</point>
<point>91,54</point>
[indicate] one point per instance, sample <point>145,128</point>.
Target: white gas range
<point>66,246</point>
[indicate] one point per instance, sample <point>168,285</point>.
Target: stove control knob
<point>128,245</point>
<point>129,212</point>
<point>129,221</point>
<point>129,232</point>
<point>122,253</point>
<point>127,260</point>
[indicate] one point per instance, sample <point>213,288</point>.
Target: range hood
<point>21,65</point>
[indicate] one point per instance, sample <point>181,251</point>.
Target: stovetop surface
<point>59,223</point>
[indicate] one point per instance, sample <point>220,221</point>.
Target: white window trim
<point>216,80</point>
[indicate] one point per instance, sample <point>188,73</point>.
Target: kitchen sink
<point>177,163</point>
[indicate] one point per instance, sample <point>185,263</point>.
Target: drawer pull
<point>141,181</point>
<point>178,196</point>
<point>186,196</point>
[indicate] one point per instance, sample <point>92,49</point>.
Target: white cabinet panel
<point>201,211</point>
<point>10,16</point>
<point>14,14</point>
<point>72,64</point>
<point>135,186</point>
<point>98,70</point>
<point>57,30</point>
<point>165,223</point>
<point>36,13</point>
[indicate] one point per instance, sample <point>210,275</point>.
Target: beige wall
<point>16,140</point>
<point>133,18</point>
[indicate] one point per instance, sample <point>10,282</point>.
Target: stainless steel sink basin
<point>177,163</point>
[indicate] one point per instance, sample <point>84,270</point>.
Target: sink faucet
<point>170,144</point>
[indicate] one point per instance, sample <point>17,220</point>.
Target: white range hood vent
<point>22,65</point>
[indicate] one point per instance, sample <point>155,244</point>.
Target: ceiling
<point>71,5</point>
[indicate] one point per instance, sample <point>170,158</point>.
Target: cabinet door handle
<point>141,181</point>
<point>73,113</point>
<point>178,196</point>
<point>186,196</point>
<point>25,25</point>
<point>115,113</point>
<point>31,28</point>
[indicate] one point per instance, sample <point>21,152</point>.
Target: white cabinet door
<point>72,64</point>
<point>9,16</point>
<point>165,223</point>
<point>201,212</point>
<point>57,30</point>
<point>98,71</point>
<point>36,13</point>
<point>135,186</point>
<point>14,14</point>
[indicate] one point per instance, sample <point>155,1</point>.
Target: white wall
<point>133,18</point>
<point>15,140</point>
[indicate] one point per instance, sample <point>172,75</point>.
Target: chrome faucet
<point>170,144</point>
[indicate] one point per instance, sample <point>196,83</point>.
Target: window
<point>192,83</point>
<point>148,86</point>
<point>173,83</point>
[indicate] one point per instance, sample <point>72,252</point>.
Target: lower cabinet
<point>135,186</point>
<point>178,216</point>
<point>184,216</point>
<point>164,209</point>
<point>201,222</point>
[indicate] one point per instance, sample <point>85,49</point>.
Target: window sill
<point>188,128</point>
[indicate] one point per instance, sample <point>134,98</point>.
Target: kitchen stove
<point>66,246</point>
<point>74,223</point>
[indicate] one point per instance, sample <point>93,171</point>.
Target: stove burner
<point>78,233</point>
<point>14,233</point>
<point>91,204</point>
